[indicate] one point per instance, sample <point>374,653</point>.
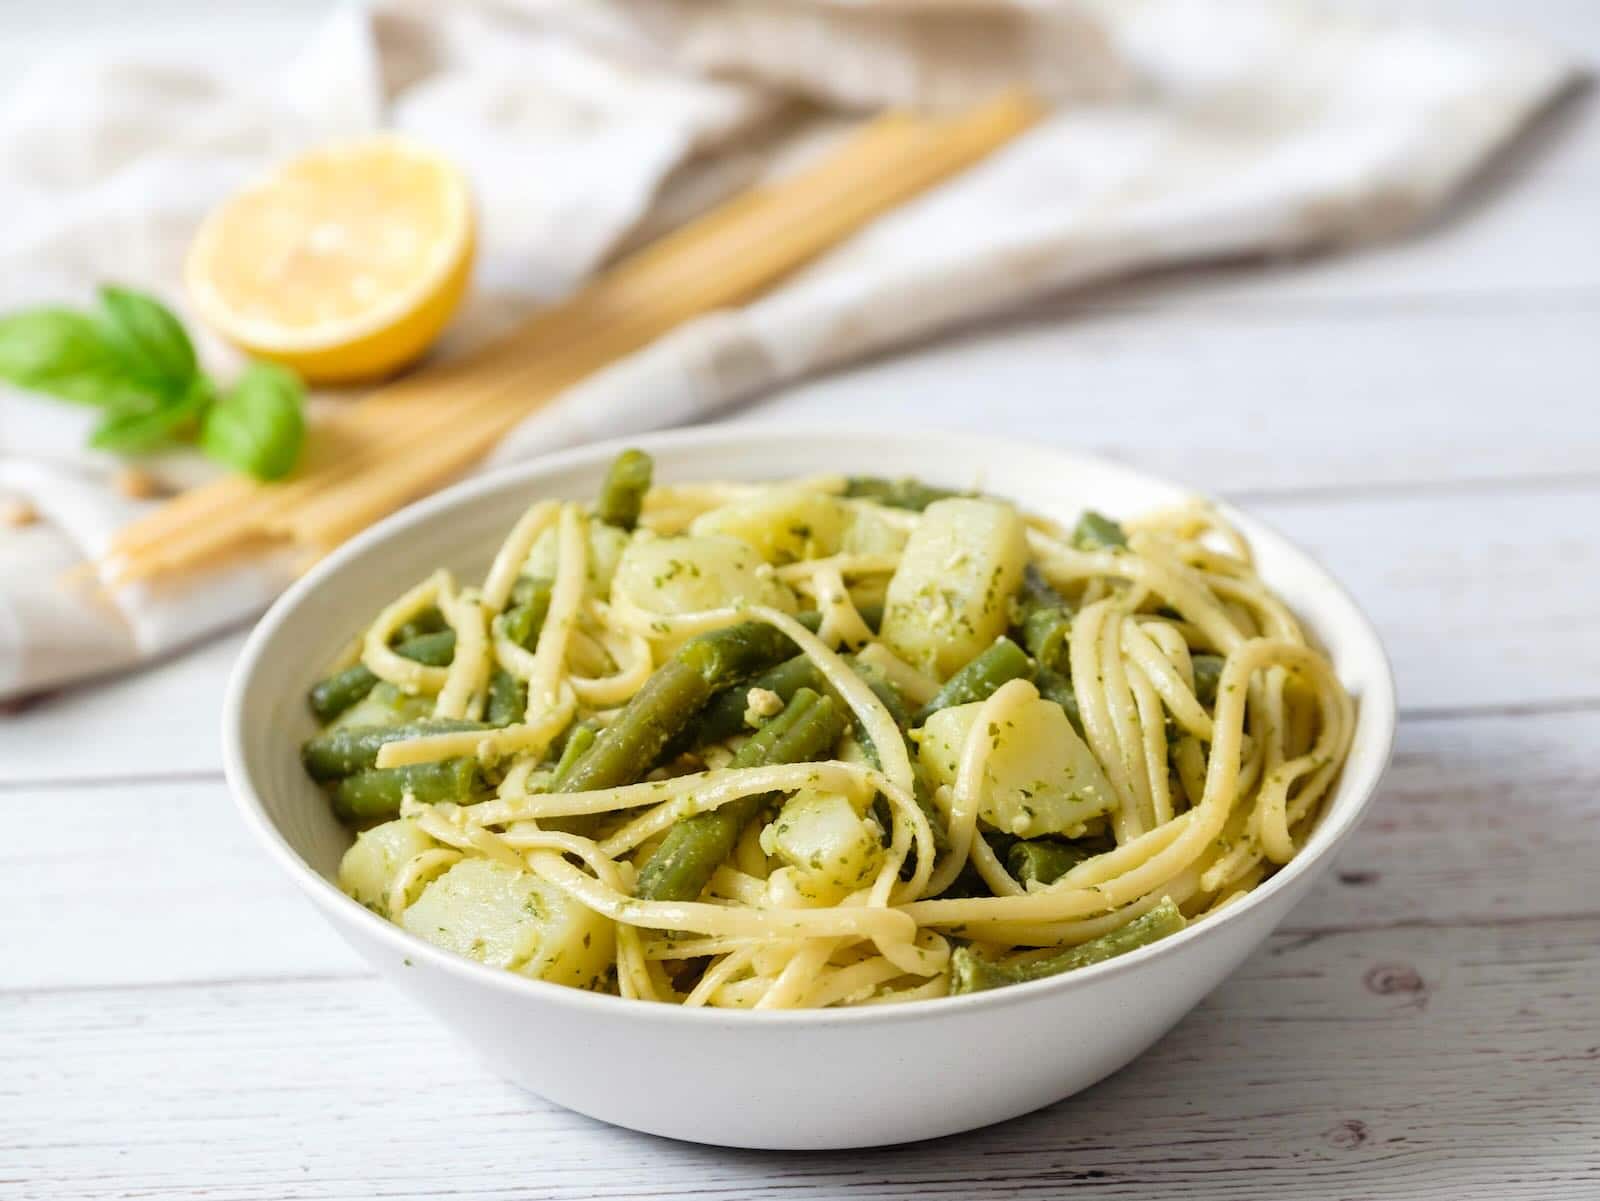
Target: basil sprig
<point>133,359</point>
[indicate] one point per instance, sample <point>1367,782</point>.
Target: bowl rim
<point>1378,703</point>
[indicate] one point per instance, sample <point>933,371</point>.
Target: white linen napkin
<point>1186,130</point>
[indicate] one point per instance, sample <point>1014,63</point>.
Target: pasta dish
<point>824,742</point>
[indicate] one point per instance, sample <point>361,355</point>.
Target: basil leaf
<point>66,354</point>
<point>134,431</point>
<point>153,342</point>
<point>257,427</point>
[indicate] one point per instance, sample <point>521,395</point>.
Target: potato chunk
<point>691,573</point>
<point>369,867</point>
<point>782,524</point>
<point>870,534</point>
<point>1040,777</point>
<point>948,599</point>
<point>514,920</point>
<point>832,848</point>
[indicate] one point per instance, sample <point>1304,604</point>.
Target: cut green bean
<point>1096,531</point>
<point>1043,619</point>
<point>1054,686</point>
<point>528,590</point>
<point>906,493</point>
<point>622,494</point>
<point>671,698</point>
<point>998,663</point>
<point>330,697</point>
<point>522,623</point>
<point>1042,860</point>
<point>350,749</point>
<point>429,621</point>
<point>970,972</point>
<point>808,728</point>
<point>378,793</point>
<point>577,745</point>
<point>386,705</point>
<point>508,699</point>
<point>1207,675</point>
<point>724,716</point>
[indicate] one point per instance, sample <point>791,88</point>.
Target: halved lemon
<point>345,263</point>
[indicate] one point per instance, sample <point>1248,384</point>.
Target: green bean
<point>1043,619</point>
<point>342,752</point>
<point>1042,860</point>
<point>808,727</point>
<point>508,699</point>
<point>379,792</point>
<point>733,652</point>
<point>522,623</point>
<point>669,700</point>
<point>386,705</point>
<point>1096,531</point>
<point>429,621</point>
<point>528,590</point>
<point>724,716</point>
<point>330,697</point>
<point>622,494</point>
<point>1207,675</point>
<point>970,972</point>
<point>1054,686</point>
<point>999,662</point>
<point>904,493</point>
<point>431,650</point>
<point>576,746</point>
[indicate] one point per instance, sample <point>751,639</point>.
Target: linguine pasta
<point>826,742</point>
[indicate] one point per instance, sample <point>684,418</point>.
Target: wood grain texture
<point>1451,1061</point>
<point>175,1022</point>
<point>1265,400</point>
<point>1449,959</point>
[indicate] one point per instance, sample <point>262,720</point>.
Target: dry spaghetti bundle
<point>406,439</point>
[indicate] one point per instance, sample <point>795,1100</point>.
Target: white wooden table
<point>174,1022</point>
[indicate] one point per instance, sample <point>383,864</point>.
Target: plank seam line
<point>1524,482</point>
<point>186,985</point>
<point>1554,707</point>
<point>200,775</point>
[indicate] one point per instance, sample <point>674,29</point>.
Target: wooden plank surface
<point>1445,1062</point>
<point>1259,401</point>
<point>176,1022</point>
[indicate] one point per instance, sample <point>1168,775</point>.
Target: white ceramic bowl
<point>834,1078</point>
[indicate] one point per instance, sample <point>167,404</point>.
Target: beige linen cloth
<point>1185,130</point>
